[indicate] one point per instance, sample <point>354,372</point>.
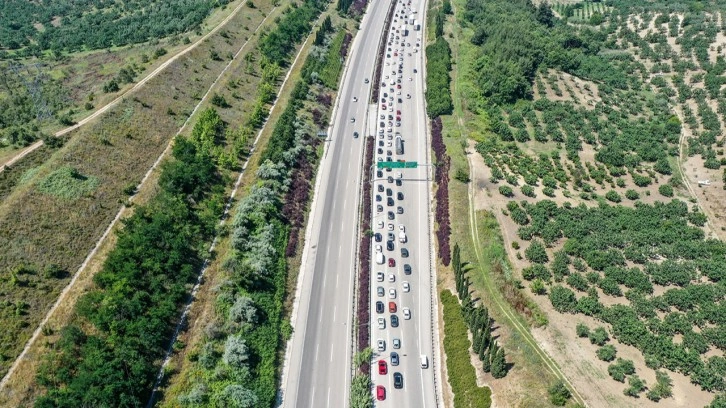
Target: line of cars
<point>389,204</point>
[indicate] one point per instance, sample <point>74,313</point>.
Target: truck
<point>411,19</point>
<point>416,25</point>
<point>402,237</point>
<point>399,145</point>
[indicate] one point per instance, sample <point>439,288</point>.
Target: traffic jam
<point>393,275</point>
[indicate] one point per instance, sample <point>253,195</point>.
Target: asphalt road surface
<point>319,368</point>
<point>415,334</point>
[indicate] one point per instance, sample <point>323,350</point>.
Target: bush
<point>462,175</point>
<point>606,353</point>
<point>665,190</point>
<point>636,386</point>
<point>506,191</point>
<point>559,394</point>
<point>536,252</point>
<point>582,330</point>
<point>563,299</point>
<point>528,191</point>
<point>632,195</point>
<point>613,196</point>
<point>599,336</point>
<point>438,92</point>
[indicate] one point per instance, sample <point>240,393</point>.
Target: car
<point>381,188</point>
<point>382,367</point>
<point>379,173</point>
<point>394,359</point>
<point>391,215</point>
<point>407,269</point>
<point>378,197</point>
<point>404,253</point>
<point>399,99</point>
<point>366,80</point>
<point>391,277</point>
<point>380,276</point>
<point>399,210</point>
<point>398,86</point>
<point>381,323</point>
<point>379,307</point>
<point>392,307</point>
<point>407,313</point>
<point>391,262</point>
<point>394,321</point>
<point>397,380</point>
<point>390,179</point>
<point>389,144</point>
<point>380,224</point>
<point>399,175</point>
<point>389,192</point>
<point>415,71</point>
<point>352,120</point>
<point>406,287</point>
<point>381,345</point>
<point>402,228</point>
<point>391,293</point>
<point>380,392</point>
<point>379,208</point>
<point>383,106</point>
<point>378,237</point>
<point>389,245</point>
<point>399,182</point>
<point>389,153</point>
<point>390,202</point>
<point>398,112</point>
<point>355,135</point>
<point>355,99</point>
<point>390,226</point>
<point>396,343</point>
<point>379,248</point>
<point>380,158</point>
<point>380,291</point>
<point>391,236</point>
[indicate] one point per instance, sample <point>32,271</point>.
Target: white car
<point>355,99</point>
<point>380,276</point>
<point>390,227</point>
<point>389,144</point>
<point>406,287</point>
<point>402,228</point>
<point>391,277</point>
<point>380,224</point>
<point>381,345</point>
<point>407,313</point>
<point>399,175</point>
<point>381,323</point>
<point>379,248</point>
<point>391,293</point>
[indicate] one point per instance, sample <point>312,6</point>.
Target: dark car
<point>391,262</point>
<point>389,192</point>
<point>391,215</point>
<point>379,174</point>
<point>380,150</point>
<point>389,245</point>
<point>407,269</point>
<point>380,188</point>
<point>394,321</point>
<point>390,180</point>
<point>379,307</point>
<point>394,359</point>
<point>390,202</point>
<point>398,182</point>
<point>399,195</point>
<point>378,197</point>
<point>378,237</point>
<point>404,253</point>
<point>397,380</point>
<point>379,208</point>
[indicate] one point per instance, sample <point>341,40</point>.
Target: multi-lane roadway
<point>319,363</point>
<point>403,282</point>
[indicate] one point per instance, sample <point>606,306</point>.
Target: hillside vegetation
<point>582,125</point>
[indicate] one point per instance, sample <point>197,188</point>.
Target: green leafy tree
<point>606,352</point>
<point>536,252</point>
<point>559,394</point>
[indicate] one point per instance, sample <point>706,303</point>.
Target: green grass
<point>68,183</point>
<point>462,376</point>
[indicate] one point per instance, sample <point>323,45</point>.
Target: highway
<point>318,364</point>
<point>415,335</point>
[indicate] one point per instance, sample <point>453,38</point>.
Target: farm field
<point>66,203</point>
<point>589,157</point>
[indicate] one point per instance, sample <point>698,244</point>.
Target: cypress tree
<point>482,350</point>
<point>499,364</point>
<point>484,357</point>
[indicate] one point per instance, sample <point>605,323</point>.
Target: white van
<point>424,361</point>
<point>380,258</point>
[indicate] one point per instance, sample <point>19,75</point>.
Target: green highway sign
<point>397,165</point>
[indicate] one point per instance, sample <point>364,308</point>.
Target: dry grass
<point>38,229</point>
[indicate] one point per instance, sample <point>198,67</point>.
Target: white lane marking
<point>331,353</point>
<point>335,308</point>
<point>328,403</point>
<point>317,351</point>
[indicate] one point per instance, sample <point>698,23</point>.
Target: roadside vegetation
<point>248,321</point>
<point>110,155</point>
<point>583,121</point>
<point>438,65</point>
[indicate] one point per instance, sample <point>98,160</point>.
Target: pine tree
<point>484,357</point>
<point>499,364</point>
<point>482,351</point>
<point>486,336</point>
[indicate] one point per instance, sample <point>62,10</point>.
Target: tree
<point>559,394</point>
<point>582,330</point>
<point>636,386</point>
<point>506,191</point>
<point>662,387</point>
<point>666,190</point>
<point>563,299</point>
<point>544,14</point>
<point>236,352</point>
<point>536,252</point>
<point>538,287</point>
<point>499,363</point>
<point>237,396</point>
<point>599,336</point>
<point>606,352</point>
<point>243,311</point>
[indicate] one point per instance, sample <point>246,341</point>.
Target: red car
<point>391,262</point>
<point>392,307</point>
<point>398,86</point>
<point>380,392</point>
<point>398,112</point>
<point>382,367</point>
